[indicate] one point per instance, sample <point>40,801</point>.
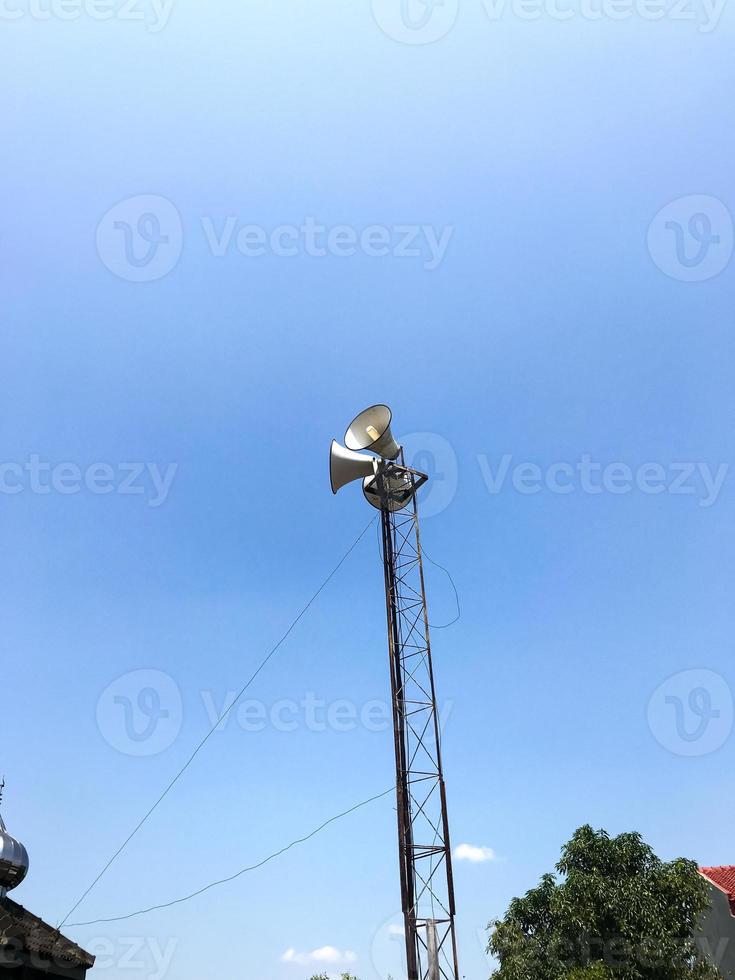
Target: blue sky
<point>500,269</point>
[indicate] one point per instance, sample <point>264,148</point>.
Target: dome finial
<point>13,856</point>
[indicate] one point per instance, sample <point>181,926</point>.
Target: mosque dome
<point>13,860</point>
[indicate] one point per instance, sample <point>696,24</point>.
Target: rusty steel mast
<point>424,846</point>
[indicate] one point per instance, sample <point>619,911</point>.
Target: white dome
<point>13,860</point>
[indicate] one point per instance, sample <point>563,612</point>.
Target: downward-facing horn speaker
<point>398,490</point>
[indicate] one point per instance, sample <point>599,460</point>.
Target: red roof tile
<point>724,879</point>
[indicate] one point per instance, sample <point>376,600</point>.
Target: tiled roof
<point>724,879</point>
<point>19,925</point>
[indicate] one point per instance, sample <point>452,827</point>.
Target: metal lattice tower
<point>424,849</point>
<point>425,855</point>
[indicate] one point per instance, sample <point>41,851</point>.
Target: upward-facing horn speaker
<point>371,430</point>
<point>346,466</point>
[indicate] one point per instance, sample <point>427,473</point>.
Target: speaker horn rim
<point>332,444</point>
<point>364,449</point>
<point>339,445</point>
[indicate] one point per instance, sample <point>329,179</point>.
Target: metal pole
<point>432,946</point>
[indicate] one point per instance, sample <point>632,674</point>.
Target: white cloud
<point>326,954</point>
<point>469,852</point>
<point>396,931</point>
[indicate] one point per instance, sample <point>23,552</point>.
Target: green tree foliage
<point>324,976</point>
<point>619,913</point>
